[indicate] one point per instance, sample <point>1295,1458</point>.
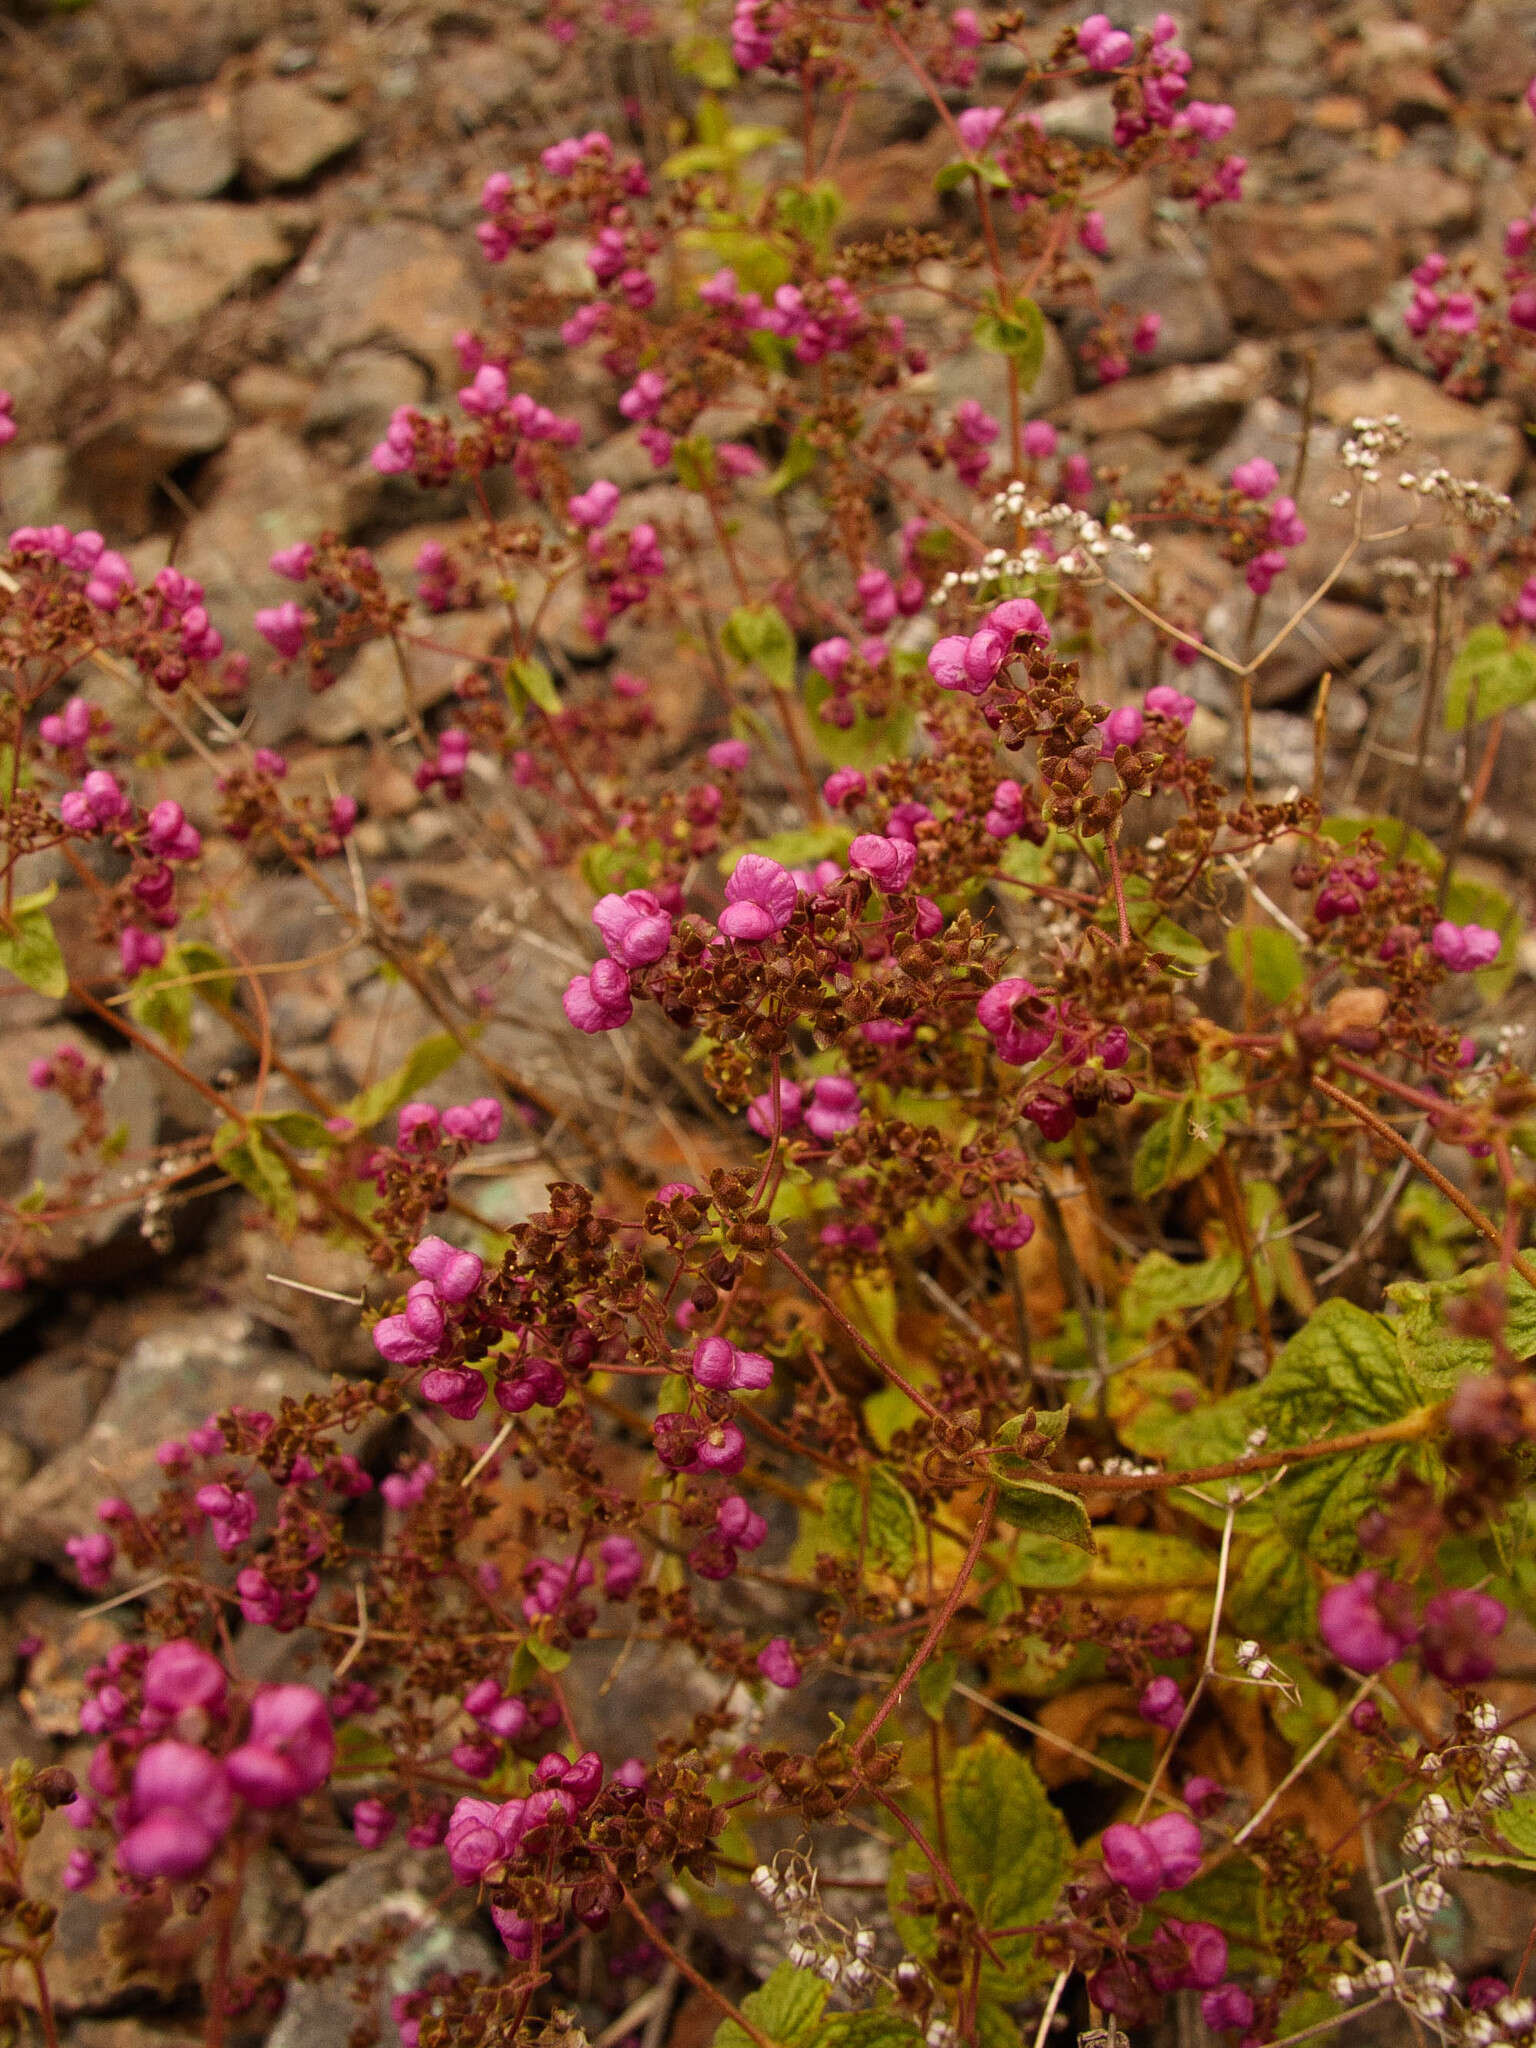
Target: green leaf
<point>706,58</point>
<point>163,996</point>
<point>812,211</point>
<point>868,742</point>
<point>1269,958</point>
<point>1160,1289</point>
<point>246,1157</point>
<point>1176,1147</point>
<point>759,634</point>
<point>694,461</point>
<point>950,177</point>
<point>1041,1561</point>
<point>1341,1372</point>
<point>877,1520</point>
<point>868,2030</point>
<point>28,947</point>
<point>1401,841</point>
<point>1008,1850</point>
<point>801,847</point>
<point>1438,1356</point>
<point>434,1056</point>
<point>1019,334</point>
<point>799,460</point>
<point>1488,675</point>
<point>788,2008</point>
<point>297,1127</point>
<point>1043,1510</point>
<point>532,681</point>
<point>1273,1593</point>
<point>620,865</point>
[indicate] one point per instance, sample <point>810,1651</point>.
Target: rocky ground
<point>234,235</point>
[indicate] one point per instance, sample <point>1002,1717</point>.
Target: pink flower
<point>1227,2010</point>
<point>1162,1856</point>
<point>1040,440</point>
<point>288,1751</point>
<point>729,755</point>
<point>372,1823</point>
<point>80,1866</point>
<point>834,1107</point>
<point>623,1564</point>
<point>1008,1013</point>
<point>454,1274</point>
<point>476,1123</point>
<point>168,834</point>
<point>635,928</point>
<point>180,1806</point>
<point>760,899</point>
<point>1004,1227</point>
<point>92,1558</point>
<point>1285,529</point>
<point>1263,569</point>
<point>1167,702</point>
<point>1122,728</point>
<point>138,949</point>
<point>1354,1628</point>
<point>1255,478</point>
<point>642,401</point>
<point>738,1524</point>
<point>1020,617</point>
<point>889,863</point>
<point>1161,1703</point>
<point>977,126</point>
<point>595,506</point>
<point>779,1664</point>
<point>736,460</point>
<point>1464,947</point>
<point>1459,1631</point>
<point>1092,234</point>
<point>760,1115</point>
<point>599,1001</point>
<point>181,1674</point>
<point>292,563</point>
<point>845,786</point>
<point>284,627</point>
<point>1144,335</point>
<point>718,1364</point>
<point>413,1336</point>
<point>1106,48</point>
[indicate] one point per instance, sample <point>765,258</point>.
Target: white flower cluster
<point>1506,2022</point>
<point>1083,545</point>
<point>1426,1990</point>
<point>1118,1468</point>
<point>1370,442</point>
<point>1479,504</point>
<point>816,1942</point>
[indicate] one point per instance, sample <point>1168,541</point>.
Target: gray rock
<point>182,259</point>
<point>36,1127</point>
<point>56,246</point>
<point>371,696</point>
<point>393,1889</point>
<point>47,163</point>
<point>118,467</point>
<point>167,1384</point>
<point>36,485</point>
<point>1195,328</point>
<point>48,1403</point>
<point>396,283</point>
<point>189,155</point>
<point>358,393</point>
<point>286,134</point>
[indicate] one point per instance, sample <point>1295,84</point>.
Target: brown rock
<point>393,282</point>
<point>1283,267</point>
<point>118,468</point>
<point>189,155</point>
<point>48,1402</point>
<point>183,259</point>
<point>263,391</point>
<point>286,134</point>
<point>47,163</point>
<point>893,188</point>
<point>1186,402</point>
<point>56,246</point>
<point>183,42</point>
<point>359,392</point>
<point>1471,441</point>
<point>1196,327</point>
